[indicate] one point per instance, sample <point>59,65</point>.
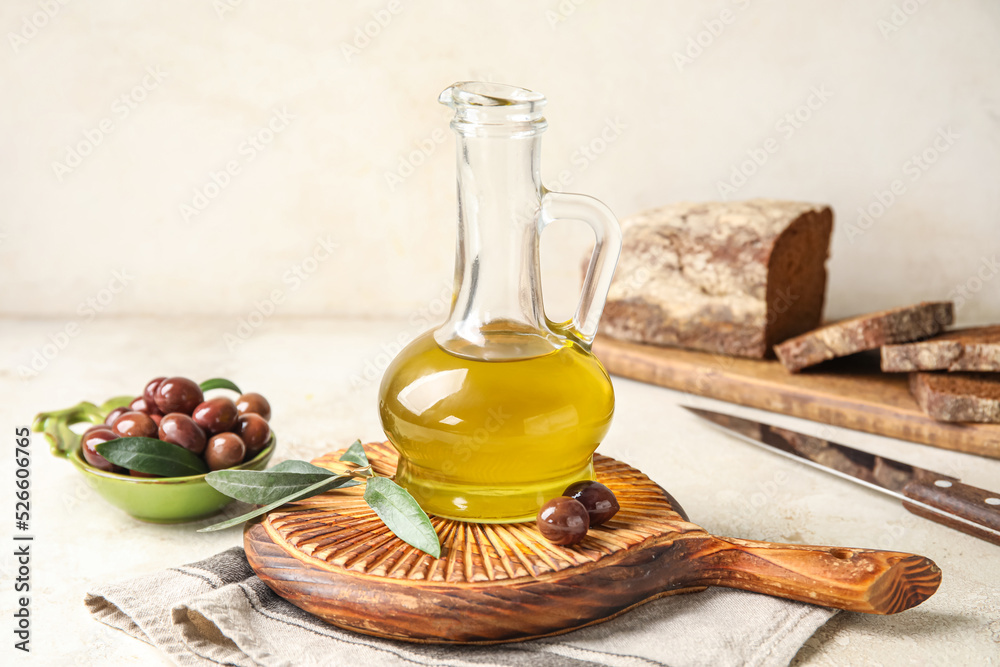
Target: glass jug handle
<point>600,271</point>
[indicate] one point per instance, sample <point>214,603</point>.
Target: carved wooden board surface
<point>852,393</point>
<point>331,556</point>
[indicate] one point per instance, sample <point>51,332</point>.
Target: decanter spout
<point>481,106</point>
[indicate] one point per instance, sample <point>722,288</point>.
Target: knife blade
<point>926,493</point>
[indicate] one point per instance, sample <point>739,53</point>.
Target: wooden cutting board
<point>850,392</point>
<point>331,556</point>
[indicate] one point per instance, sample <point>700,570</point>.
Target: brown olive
<point>598,500</point>
<point>149,393</point>
<point>136,473</point>
<point>224,451</point>
<point>563,520</point>
<point>115,414</point>
<point>140,405</point>
<point>88,445</point>
<point>95,427</point>
<point>178,395</point>
<point>215,415</point>
<point>134,425</point>
<point>181,430</point>
<point>253,402</point>
<point>254,431</point>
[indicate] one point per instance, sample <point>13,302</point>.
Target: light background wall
<point>892,75</point>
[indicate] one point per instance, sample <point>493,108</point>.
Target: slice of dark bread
<point>975,349</point>
<point>958,397</point>
<point>865,332</point>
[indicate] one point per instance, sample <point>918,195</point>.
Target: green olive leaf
<point>263,487</point>
<point>402,515</point>
<point>308,492</point>
<point>293,465</point>
<point>355,454</point>
<point>152,456</point>
<point>219,383</point>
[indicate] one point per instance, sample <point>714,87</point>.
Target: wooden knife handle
<point>865,580</point>
<point>973,504</point>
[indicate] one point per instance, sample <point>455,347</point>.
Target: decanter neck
<point>497,280</point>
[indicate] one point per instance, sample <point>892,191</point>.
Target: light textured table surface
<point>314,373</point>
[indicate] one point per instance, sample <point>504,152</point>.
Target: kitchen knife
<point>926,493</point>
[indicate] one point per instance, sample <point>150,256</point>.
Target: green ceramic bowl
<point>155,499</point>
<point>163,499</point>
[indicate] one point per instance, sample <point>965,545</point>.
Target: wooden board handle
<point>865,580</point>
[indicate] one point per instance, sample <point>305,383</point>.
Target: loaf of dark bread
<point>958,397</point>
<point>865,332</point>
<point>975,349</point>
<point>728,277</point>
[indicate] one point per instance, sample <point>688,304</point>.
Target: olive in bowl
<point>178,394</point>
<point>134,425</point>
<point>88,447</point>
<point>254,403</point>
<point>224,450</point>
<point>179,429</point>
<point>215,415</point>
<point>254,431</point>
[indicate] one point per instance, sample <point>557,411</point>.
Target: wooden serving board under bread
<point>333,557</point>
<point>850,392</point>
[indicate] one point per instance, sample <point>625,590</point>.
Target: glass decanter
<point>499,409</point>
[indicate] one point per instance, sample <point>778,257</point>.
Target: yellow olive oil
<point>492,440</point>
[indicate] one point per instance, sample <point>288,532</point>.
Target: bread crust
<point>972,349</point>
<point>957,397</point>
<point>865,332</point>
